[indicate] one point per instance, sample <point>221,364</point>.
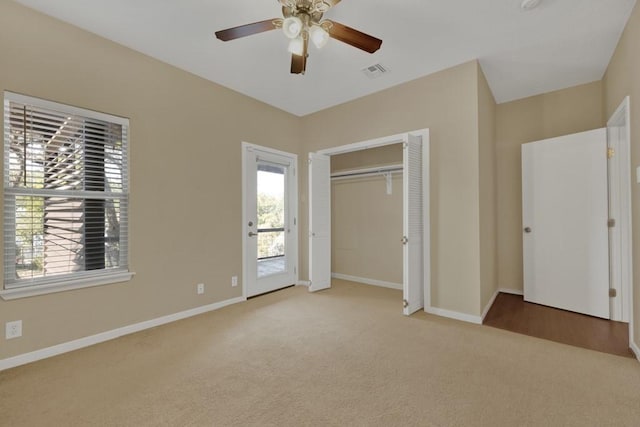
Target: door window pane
<point>271,219</point>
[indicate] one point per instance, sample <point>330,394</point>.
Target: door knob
<point>252,234</point>
<point>527,229</point>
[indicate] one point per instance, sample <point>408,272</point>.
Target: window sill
<point>85,282</point>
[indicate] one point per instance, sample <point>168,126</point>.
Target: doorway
<point>597,171</point>
<point>367,216</point>
<point>270,205</point>
<point>415,238</point>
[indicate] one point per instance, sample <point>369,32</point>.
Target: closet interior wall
<point>366,221</point>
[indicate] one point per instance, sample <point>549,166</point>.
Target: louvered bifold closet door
<point>65,194</point>
<point>413,286</point>
<point>319,221</point>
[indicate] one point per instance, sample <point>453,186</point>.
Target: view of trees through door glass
<point>271,219</point>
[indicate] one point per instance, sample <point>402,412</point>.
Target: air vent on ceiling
<point>375,71</point>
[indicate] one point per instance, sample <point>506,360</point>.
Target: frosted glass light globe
<point>292,26</point>
<point>319,36</point>
<point>296,46</point>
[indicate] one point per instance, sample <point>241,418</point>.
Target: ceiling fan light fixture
<point>292,27</point>
<point>296,46</point>
<point>321,6</point>
<point>319,36</point>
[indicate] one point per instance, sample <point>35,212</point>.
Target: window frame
<point>75,280</point>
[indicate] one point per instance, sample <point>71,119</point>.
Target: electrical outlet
<point>234,281</point>
<point>200,288</point>
<point>13,329</point>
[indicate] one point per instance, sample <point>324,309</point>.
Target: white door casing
<point>413,225</point>
<point>619,169</point>
<point>319,221</point>
<point>416,263</point>
<point>565,236</point>
<point>253,156</point>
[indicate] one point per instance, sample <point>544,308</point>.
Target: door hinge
<point>405,240</point>
<point>613,293</point>
<point>611,223</point>
<point>610,153</point>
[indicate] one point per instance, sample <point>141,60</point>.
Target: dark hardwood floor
<point>512,313</point>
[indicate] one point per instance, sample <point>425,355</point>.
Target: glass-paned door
<point>270,223</point>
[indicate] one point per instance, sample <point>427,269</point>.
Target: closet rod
<point>367,171</point>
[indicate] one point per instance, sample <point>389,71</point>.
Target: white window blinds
<point>65,193</point>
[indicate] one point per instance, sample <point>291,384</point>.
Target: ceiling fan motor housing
<point>310,12</point>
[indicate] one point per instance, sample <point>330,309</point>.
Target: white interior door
<point>565,236</point>
<point>319,222</point>
<point>270,226</point>
<point>413,225</point>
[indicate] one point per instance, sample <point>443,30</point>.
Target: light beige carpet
<point>345,356</point>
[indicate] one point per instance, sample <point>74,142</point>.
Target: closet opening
<point>369,216</point>
<point>366,216</point>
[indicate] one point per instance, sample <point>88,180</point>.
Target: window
<point>65,197</point>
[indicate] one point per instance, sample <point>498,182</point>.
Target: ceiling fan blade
<point>354,37</point>
<point>299,62</point>
<point>246,30</point>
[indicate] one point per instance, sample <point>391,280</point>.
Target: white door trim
<point>293,209</point>
<point>396,139</point>
<point>620,178</point>
<point>372,143</point>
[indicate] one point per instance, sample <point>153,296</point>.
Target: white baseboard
<point>303,283</point>
<point>55,350</point>
<point>366,281</point>
<point>635,349</point>
<point>454,315</point>
<point>511,291</point>
<point>489,304</point>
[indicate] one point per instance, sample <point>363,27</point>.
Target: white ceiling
<point>560,44</point>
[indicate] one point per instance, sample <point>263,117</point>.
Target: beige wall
<point>366,228</point>
<point>185,174</point>
<point>621,79</point>
<point>446,103</point>
<point>488,191</point>
<point>549,115</point>
<point>366,222</point>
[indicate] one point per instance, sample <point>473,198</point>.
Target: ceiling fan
<point>303,22</point>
